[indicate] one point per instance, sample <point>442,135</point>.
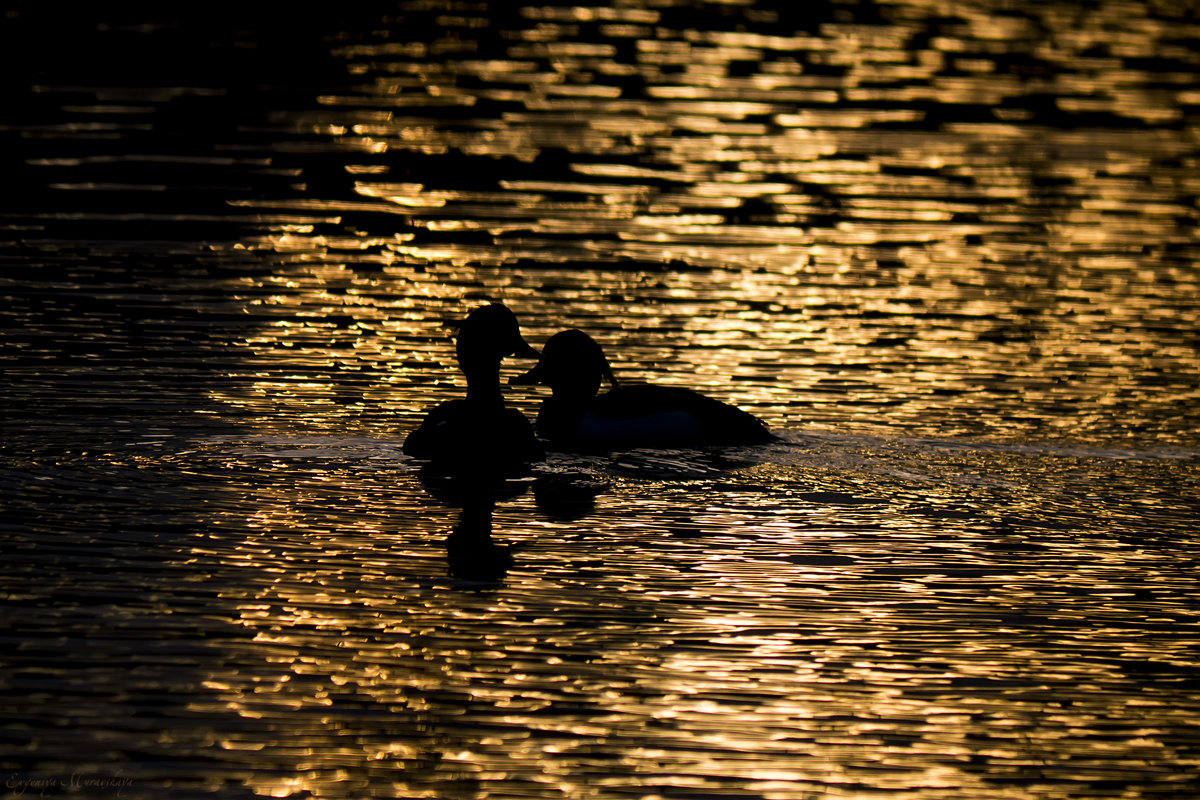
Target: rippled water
<point>948,253</point>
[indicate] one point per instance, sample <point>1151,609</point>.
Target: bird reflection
<point>471,552</point>
<point>567,496</point>
<point>629,415</point>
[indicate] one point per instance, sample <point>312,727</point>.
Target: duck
<point>479,433</point>
<point>630,415</point>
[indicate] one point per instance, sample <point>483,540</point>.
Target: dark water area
<point>947,253</point>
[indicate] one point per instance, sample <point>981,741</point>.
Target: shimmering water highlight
<point>948,254</point>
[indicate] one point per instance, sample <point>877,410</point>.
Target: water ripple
<point>948,255</point>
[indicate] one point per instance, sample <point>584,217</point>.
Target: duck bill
<point>534,376</point>
<point>525,350</point>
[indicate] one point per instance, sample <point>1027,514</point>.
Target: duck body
<point>646,415</point>
<point>629,415</point>
<point>466,433</point>
<point>478,432</point>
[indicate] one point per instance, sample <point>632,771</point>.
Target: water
<point>948,254</point>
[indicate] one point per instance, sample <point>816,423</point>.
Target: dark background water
<point>948,254</point>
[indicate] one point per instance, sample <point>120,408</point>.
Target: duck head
<point>572,365</point>
<point>487,336</point>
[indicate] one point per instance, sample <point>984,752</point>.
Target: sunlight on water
<point>948,254</point>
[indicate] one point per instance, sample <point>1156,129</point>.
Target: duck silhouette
<point>479,433</point>
<point>630,415</point>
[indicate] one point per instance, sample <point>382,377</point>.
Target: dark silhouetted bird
<point>479,433</point>
<point>629,415</point>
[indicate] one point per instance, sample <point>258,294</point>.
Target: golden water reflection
<point>827,616</point>
<point>852,614</point>
<point>817,343</point>
<point>948,255</point>
<point>982,222</point>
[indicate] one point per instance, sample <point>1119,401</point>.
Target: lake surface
<point>948,254</point>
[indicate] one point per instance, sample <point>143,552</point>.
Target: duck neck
<point>483,385</point>
<point>575,393</point>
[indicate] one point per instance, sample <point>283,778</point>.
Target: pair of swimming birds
<point>480,431</point>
